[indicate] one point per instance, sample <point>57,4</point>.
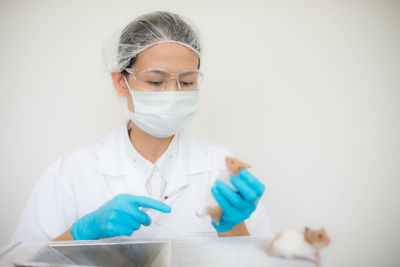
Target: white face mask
<point>163,114</point>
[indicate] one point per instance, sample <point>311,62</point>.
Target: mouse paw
<point>292,258</point>
<point>316,261</point>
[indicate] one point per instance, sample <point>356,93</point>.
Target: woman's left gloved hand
<point>237,205</point>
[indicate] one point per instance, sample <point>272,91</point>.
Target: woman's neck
<point>150,147</point>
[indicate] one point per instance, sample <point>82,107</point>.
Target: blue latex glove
<point>237,206</point>
<point>119,216</point>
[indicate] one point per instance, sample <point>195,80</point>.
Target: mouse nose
<point>328,241</point>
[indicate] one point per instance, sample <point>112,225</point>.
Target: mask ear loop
<point>124,100</point>
<point>126,82</point>
<point>129,88</point>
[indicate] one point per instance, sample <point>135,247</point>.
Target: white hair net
<point>145,31</point>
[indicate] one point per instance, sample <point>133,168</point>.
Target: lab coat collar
<point>168,158</point>
<point>147,167</point>
<point>114,160</point>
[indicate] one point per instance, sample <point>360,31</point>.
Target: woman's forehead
<point>170,56</point>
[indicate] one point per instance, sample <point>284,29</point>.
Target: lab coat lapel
<point>114,164</point>
<point>113,159</point>
<point>134,184</point>
<point>178,180</point>
<point>191,160</point>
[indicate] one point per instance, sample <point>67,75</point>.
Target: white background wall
<point>306,91</point>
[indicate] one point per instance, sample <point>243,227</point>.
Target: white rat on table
<point>299,244</point>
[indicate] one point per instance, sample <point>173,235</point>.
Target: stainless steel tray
<point>233,251</point>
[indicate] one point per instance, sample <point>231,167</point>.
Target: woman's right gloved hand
<point>119,216</point>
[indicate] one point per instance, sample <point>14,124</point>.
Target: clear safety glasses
<point>157,79</point>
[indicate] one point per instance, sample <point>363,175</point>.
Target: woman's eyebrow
<point>158,71</point>
<point>189,72</point>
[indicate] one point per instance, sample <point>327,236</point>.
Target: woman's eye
<point>154,82</point>
<point>187,83</point>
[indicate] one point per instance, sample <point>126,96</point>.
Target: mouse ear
<point>308,233</point>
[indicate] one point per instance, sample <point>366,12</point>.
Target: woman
<point>112,188</point>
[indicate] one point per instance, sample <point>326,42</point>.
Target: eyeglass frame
<point>169,77</point>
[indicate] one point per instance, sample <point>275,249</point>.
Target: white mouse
<point>294,244</point>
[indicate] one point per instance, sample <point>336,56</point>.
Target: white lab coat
<point>80,182</point>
